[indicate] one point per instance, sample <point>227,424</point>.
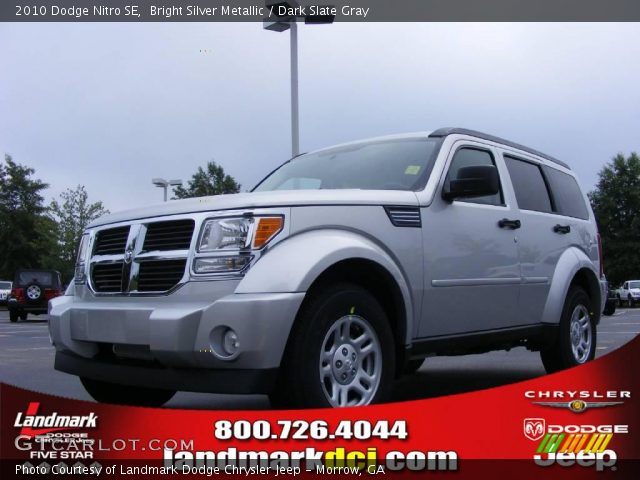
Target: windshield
<point>402,164</point>
<point>634,285</point>
<point>5,285</point>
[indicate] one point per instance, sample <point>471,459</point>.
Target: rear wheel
<point>105,392</point>
<point>575,343</point>
<point>340,352</point>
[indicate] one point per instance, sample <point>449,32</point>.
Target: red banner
<point>580,422</point>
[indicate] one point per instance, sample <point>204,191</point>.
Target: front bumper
<point>236,381</point>
<point>167,340</point>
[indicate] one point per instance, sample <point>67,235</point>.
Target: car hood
<point>280,198</point>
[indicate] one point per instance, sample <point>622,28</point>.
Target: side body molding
<point>570,262</point>
<point>293,264</point>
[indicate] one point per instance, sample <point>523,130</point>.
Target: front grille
<point>160,275</point>
<point>171,235</point>
<point>111,241</point>
<point>107,277</point>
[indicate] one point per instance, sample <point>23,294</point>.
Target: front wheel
<point>340,352</point>
<point>575,343</point>
<point>105,392</point>
<point>631,302</point>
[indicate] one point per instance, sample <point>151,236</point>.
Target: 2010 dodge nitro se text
<point>344,268</point>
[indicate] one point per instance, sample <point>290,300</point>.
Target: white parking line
<point>620,333</point>
<point>25,349</point>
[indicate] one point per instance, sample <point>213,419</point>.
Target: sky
<point>112,105</point>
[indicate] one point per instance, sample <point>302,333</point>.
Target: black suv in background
<point>31,292</point>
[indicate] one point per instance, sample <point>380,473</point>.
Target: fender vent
<point>404,216</point>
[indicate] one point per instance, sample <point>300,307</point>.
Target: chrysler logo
<point>128,256</point>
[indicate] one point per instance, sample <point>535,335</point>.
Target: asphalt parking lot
<point>26,360</point>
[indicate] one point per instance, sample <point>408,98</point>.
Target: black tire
<point>13,316</point>
<point>609,308</point>
<point>300,383</point>
<point>413,366</point>
<point>560,354</point>
<point>105,392</point>
<point>631,302</point>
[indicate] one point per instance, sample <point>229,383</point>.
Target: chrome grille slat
<point>169,235</point>
<point>111,241</point>
<point>165,274</point>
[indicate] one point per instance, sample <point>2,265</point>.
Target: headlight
<point>240,233</point>
<point>225,234</point>
<point>79,273</point>
<point>225,244</point>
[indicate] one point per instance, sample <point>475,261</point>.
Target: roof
<point>443,132</point>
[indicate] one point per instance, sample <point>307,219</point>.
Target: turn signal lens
<point>266,229</point>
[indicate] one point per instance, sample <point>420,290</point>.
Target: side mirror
<point>475,181</point>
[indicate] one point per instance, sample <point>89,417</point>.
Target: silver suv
<point>343,269</point>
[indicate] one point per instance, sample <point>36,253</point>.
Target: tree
<point>21,206</point>
<point>616,204</point>
<point>212,181</point>
<point>72,214</point>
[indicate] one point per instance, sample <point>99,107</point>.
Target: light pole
<point>281,23</point>
<point>164,184</point>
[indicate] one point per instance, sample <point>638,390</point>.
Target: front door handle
<point>512,224</point>
<point>562,229</point>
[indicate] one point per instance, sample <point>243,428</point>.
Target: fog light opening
<point>230,342</point>
<point>225,343</point>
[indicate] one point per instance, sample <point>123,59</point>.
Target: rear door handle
<point>562,229</point>
<point>512,224</point>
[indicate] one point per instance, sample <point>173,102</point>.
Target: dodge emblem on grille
<point>128,256</point>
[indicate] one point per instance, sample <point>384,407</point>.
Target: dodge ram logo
<point>534,428</point>
<point>128,256</point>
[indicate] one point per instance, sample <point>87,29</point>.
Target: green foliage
<point>616,204</point>
<point>212,181</point>
<point>72,214</point>
<point>21,207</point>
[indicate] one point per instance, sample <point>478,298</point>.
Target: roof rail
<point>443,132</point>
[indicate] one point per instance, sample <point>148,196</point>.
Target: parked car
<point>31,292</point>
<point>629,292</point>
<point>343,267</point>
<point>5,290</point>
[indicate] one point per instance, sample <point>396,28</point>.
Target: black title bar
<point>344,11</point>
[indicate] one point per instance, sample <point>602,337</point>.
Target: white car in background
<point>5,291</point>
<point>629,292</point>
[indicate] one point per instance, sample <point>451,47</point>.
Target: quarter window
<point>472,157</point>
<point>566,193</point>
<point>529,185</point>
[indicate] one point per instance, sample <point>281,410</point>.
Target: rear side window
<point>566,193</point>
<point>471,157</point>
<point>529,185</point>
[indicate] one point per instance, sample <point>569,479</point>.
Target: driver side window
<point>471,157</point>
